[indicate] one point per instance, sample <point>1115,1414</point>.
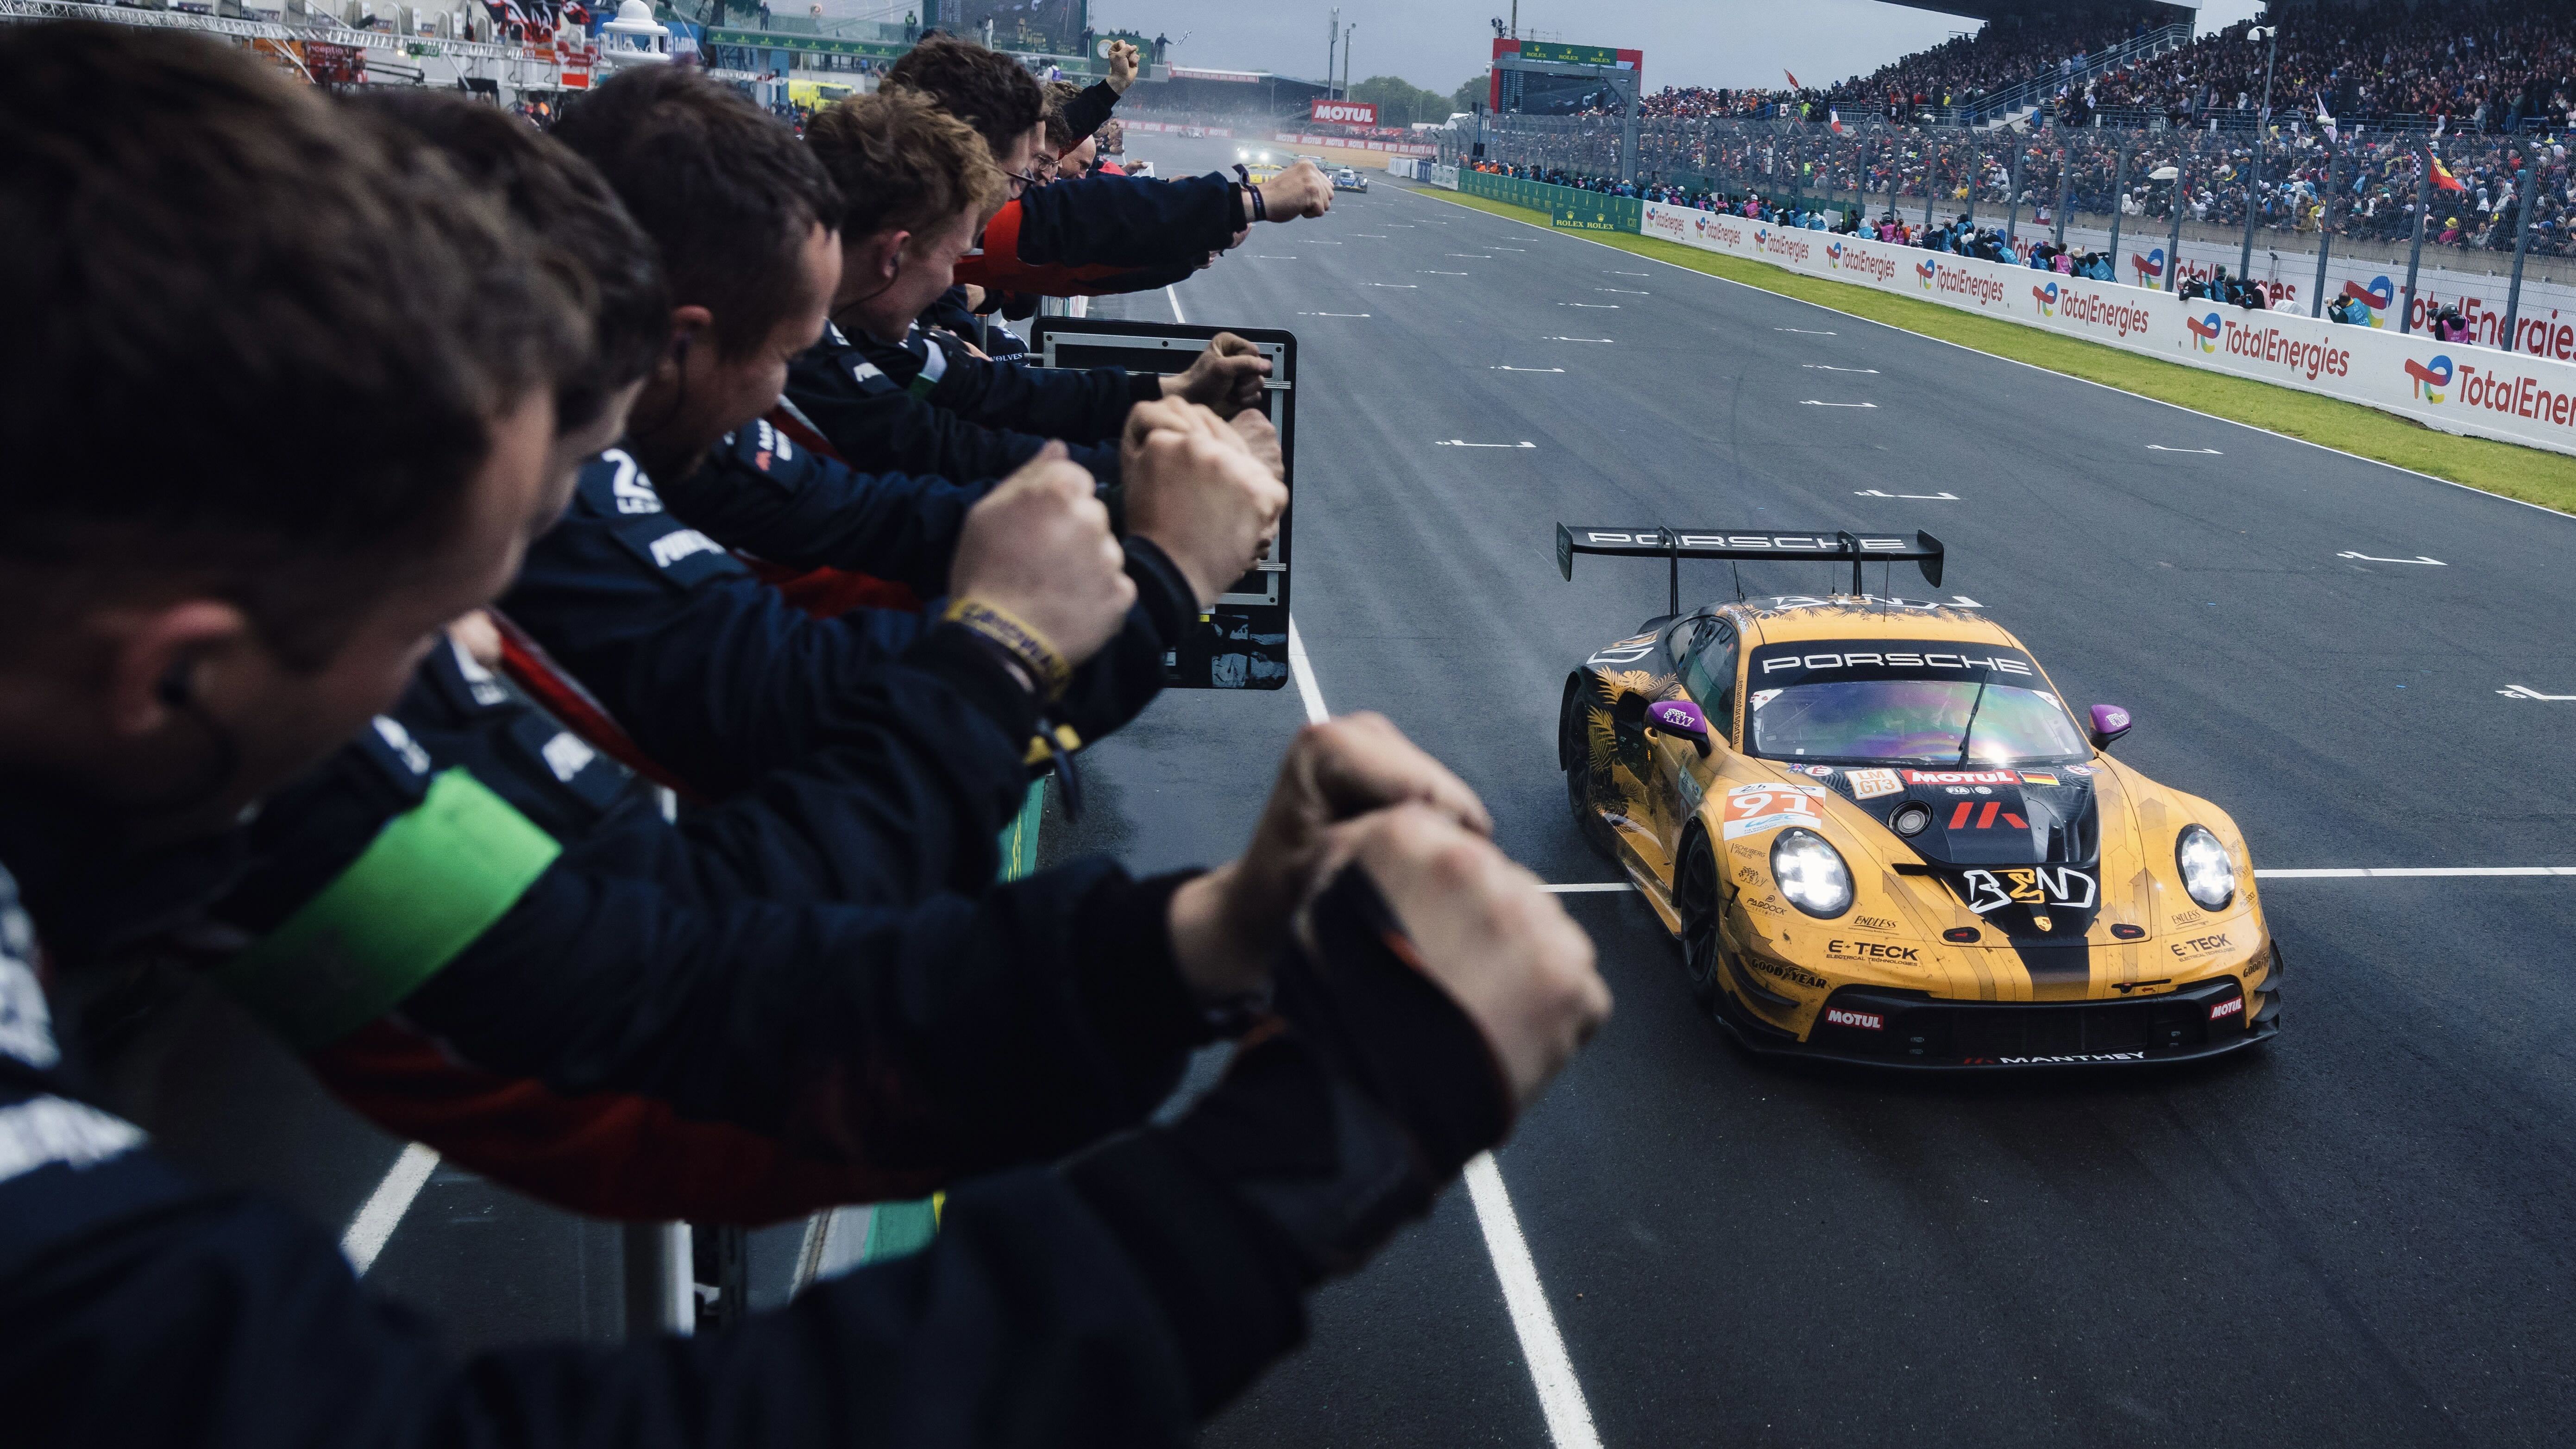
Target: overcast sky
<point>1438,43</point>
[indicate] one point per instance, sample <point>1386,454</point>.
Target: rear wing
<point>1676,544</point>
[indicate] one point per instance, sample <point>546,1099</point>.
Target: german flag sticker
<point>2037,777</point>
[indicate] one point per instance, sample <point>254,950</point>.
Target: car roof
<point>1792,618</point>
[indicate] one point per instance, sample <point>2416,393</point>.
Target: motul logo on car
<point>2227,1008</point>
<point>1348,113</point>
<point>1865,1020</point>
<point>1961,777</point>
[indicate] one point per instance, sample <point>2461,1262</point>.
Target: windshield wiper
<point>1971,728</point>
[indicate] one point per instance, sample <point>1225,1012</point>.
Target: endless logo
<point>2432,379</point>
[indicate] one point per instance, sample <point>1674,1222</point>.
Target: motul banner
<point>1346,113</point>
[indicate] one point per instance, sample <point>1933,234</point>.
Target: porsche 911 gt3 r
<point>1882,836</point>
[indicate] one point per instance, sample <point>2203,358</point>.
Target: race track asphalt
<point>2361,1235</point>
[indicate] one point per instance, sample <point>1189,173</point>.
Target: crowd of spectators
<point>575,613</point>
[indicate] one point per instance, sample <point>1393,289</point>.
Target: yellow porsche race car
<point>1882,836</point>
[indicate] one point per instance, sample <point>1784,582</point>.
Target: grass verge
<point>2532,475</point>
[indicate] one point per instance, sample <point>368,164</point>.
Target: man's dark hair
<point>1059,127</point>
<point>984,88</point>
<point>727,194</point>
<point>252,354</point>
<point>582,232</point>
<point>902,163</point>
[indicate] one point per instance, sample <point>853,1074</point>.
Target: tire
<point>1574,753</point>
<point>1697,901</point>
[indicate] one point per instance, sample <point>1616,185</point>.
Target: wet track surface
<point>2360,1235</point>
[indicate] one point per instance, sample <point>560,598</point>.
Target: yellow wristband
<point>1025,644</point>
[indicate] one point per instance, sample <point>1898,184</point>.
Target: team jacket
<point>1077,404</point>
<point>146,1308</point>
<point>998,265</point>
<point>616,913</point>
<point>719,678</point>
<point>1129,221</point>
<point>878,424</point>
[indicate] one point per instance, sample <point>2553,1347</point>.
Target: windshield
<point>1914,722</point>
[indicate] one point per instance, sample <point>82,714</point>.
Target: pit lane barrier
<point>2478,392</point>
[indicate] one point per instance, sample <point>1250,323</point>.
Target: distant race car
<point>1882,836</point>
<point>1256,165</point>
<point>1348,179</point>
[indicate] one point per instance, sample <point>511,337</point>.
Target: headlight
<point>1811,873</point>
<point>2207,872</point>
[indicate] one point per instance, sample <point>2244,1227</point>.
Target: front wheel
<point>1696,901</point>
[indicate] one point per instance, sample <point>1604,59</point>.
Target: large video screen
<point>1050,26</point>
<point>1532,93</point>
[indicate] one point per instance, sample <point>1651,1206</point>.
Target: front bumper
<point>1920,1032</point>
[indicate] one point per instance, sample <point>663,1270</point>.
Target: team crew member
<point>915,184</point>
<point>220,618</point>
<point>1114,221</point>
<point>714,674</point>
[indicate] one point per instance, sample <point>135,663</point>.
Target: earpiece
<point>174,688</point>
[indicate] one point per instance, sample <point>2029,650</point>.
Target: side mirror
<point>2109,723</point>
<point>1680,717</point>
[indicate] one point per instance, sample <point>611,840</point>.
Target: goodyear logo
<point>1924,272</point>
<point>2379,296</point>
<point>2205,330</point>
<point>2046,297</point>
<point>2432,379</point>
<point>2149,267</point>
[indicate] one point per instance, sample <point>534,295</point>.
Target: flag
<point>2443,180</point>
<point>1793,79</point>
<point>1835,119</point>
<point>2438,123</point>
<point>2326,122</point>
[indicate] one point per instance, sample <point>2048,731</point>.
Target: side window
<point>1708,674</point>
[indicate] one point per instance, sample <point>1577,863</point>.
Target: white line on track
<point>1813,403</point>
<point>1371,235</point>
<point>1507,367</point>
<point>1332,314</point>
<point>2035,367</point>
<point>1592,306</point>
<point>1174,298</point>
<point>375,1222</point>
<point>1574,339</point>
<point>1829,367</point>
<point>1460,443</point>
<point>1624,291</point>
<point>1617,273</point>
<point>2364,872</point>
<point>1434,272</point>
<point>1560,1396</point>
<point>2161,448</point>
<point>1397,286</point>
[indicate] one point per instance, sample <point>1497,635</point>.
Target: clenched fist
<point>1039,548</point>
<point>1226,377</point>
<point>1195,488</point>
<point>1300,190</point>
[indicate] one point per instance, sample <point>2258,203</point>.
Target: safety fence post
<point>2325,232</point>
<point>2415,252</point>
<point>2173,243</point>
<point>2524,188</point>
<point>659,1297</point>
<point>2119,195</point>
<point>2065,172</point>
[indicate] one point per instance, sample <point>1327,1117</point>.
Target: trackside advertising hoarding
<point>1569,208</point>
<point>1345,113</point>
<point>2473,391</point>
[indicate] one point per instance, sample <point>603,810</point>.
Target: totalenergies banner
<point>2474,391</point>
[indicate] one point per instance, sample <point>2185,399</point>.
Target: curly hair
<point>984,88</point>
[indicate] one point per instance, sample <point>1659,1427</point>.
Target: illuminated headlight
<point>2207,872</point>
<point>1811,873</point>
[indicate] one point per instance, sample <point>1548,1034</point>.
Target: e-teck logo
<point>2205,330</point>
<point>2379,296</point>
<point>2432,379</point>
<point>2149,267</point>
<point>1924,272</point>
<point>2046,297</point>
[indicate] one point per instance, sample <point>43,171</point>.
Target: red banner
<point>1348,113</point>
